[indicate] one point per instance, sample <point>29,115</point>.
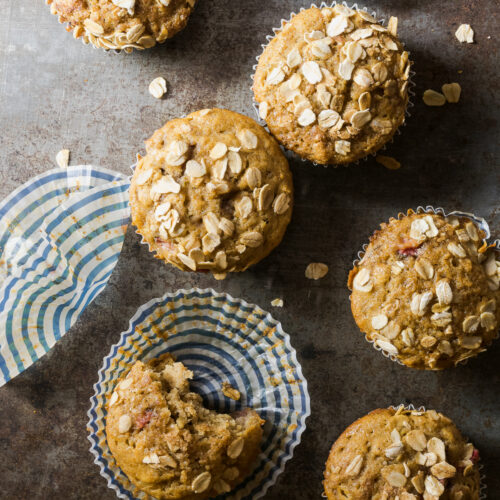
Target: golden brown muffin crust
<point>410,455</point>
<point>332,85</point>
<point>427,290</point>
<point>213,193</point>
<point>168,444</point>
<point>123,24</point>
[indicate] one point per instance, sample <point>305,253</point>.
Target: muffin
<point>332,85</point>
<point>426,290</point>
<point>168,444</point>
<point>213,193</point>
<point>403,454</point>
<point>123,24</point>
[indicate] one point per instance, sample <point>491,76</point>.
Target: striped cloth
<point>61,234</point>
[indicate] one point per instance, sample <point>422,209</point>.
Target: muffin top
<point>168,444</point>
<point>401,453</point>
<point>123,24</point>
<point>214,192</point>
<point>427,289</point>
<point>332,85</point>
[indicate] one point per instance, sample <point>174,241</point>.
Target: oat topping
<point>121,25</point>
<point>125,4</point>
<point>354,466</point>
<point>344,81</point>
<point>212,201</point>
<point>440,286</point>
<point>465,33</point>
<point>124,423</point>
<point>113,399</point>
<point>62,158</point>
<point>158,87</point>
<point>201,482</point>
<point>423,454</point>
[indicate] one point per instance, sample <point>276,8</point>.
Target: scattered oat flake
<point>277,303</point>
<point>230,392</point>
<point>388,162</point>
<point>433,98</point>
<point>316,270</point>
<point>158,87</point>
<point>452,92</point>
<point>465,33</point>
<point>62,158</point>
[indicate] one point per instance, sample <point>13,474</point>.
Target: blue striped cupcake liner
<point>61,234</point>
<point>479,221</point>
<point>283,22</point>
<point>221,339</point>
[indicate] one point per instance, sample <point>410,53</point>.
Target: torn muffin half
<point>168,444</point>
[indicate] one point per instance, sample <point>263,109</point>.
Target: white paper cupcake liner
<point>221,339</point>
<point>61,234</point>
<point>411,84</point>
<point>480,222</point>
<point>482,479</point>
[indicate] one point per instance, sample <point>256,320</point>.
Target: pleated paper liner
<point>283,22</point>
<point>479,221</point>
<point>221,339</point>
<point>61,234</point>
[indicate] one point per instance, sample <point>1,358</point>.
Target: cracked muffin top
<point>213,193</point>
<point>168,444</point>
<point>402,454</point>
<point>123,24</point>
<point>427,289</point>
<point>332,85</point>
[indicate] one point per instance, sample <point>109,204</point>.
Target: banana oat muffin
<point>123,24</point>
<point>410,455</point>
<point>332,85</point>
<point>168,444</point>
<point>427,290</point>
<point>214,192</point>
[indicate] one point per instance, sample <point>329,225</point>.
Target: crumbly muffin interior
<point>168,443</point>
<point>405,454</point>
<point>427,290</point>
<point>332,85</point>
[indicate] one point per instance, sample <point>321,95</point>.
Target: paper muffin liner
<point>479,221</point>
<point>482,477</point>
<point>411,84</point>
<point>221,339</point>
<point>61,234</point>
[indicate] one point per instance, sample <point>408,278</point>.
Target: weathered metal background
<point>55,92</point>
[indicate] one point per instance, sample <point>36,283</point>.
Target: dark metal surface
<point>55,92</point>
